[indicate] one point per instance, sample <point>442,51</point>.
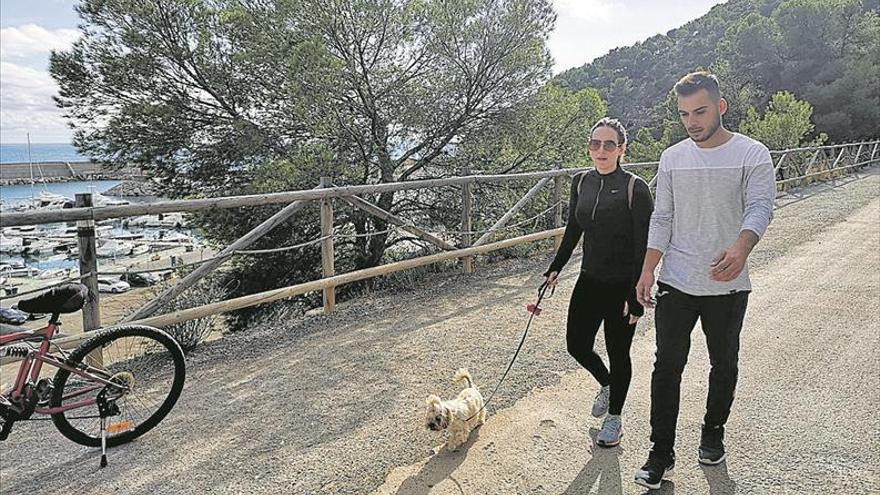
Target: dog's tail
<point>463,375</point>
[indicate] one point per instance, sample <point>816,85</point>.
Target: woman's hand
<point>552,280</point>
<point>632,318</point>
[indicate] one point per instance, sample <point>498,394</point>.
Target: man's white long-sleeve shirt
<point>705,197</point>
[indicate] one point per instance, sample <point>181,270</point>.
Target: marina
<point>44,177</point>
<point>37,256</point>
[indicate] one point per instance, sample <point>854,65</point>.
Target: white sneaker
<point>611,432</point>
<point>600,405</point>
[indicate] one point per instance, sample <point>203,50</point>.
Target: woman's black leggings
<point>593,302</point>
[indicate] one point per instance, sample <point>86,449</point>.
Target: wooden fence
<point>793,167</point>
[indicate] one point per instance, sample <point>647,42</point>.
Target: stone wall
<point>20,173</point>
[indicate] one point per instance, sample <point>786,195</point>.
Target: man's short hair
<point>696,81</point>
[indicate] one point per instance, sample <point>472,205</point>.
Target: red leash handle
<point>534,308</point>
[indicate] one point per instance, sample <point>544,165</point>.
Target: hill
<point>826,52</point>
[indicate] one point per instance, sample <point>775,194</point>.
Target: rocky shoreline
<point>52,180</point>
<point>133,188</point>
<point>63,171</point>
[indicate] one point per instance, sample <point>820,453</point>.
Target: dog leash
<point>534,310</point>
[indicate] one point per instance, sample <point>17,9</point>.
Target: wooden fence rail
<point>190,205</point>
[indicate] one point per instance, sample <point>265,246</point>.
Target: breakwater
<point>63,171</point>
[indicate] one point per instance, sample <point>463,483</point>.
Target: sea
<point>40,152</point>
<point>45,152</point>
<point>12,195</point>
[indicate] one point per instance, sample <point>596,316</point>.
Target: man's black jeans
<point>676,315</point>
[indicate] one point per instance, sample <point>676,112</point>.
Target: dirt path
<point>805,419</point>
<point>333,404</point>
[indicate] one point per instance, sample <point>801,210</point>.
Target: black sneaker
<point>658,468</point>
<point>712,445</point>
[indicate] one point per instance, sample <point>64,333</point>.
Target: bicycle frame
<point>32,363</point>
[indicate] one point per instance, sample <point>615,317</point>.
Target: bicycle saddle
<point>67,298</point>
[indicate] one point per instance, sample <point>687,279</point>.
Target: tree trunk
<point>371,248</point>
<point>376,248</point>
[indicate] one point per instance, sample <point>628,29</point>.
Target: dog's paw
<point>452,447</point>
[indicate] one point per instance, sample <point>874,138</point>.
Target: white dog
<point>459,415</point>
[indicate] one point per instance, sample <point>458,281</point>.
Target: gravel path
<point>334,404</point>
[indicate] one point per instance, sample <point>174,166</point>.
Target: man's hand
<point>643,288</point>
<point>729,264</point>
<point>552,280</point>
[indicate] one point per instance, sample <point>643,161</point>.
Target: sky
<point>30,29</point>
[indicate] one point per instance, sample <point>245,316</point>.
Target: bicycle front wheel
<point>148,365</point>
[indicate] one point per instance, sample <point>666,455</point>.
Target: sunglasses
<point>609,145</point>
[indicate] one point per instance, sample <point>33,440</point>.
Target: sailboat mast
<point>31,165</point>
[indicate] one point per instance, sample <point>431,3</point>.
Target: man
<point>713,203</point>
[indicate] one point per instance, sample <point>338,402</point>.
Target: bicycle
<point>131,375</point>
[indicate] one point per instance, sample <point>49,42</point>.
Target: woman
<point>611,208</point>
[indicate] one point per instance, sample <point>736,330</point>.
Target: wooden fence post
<point>327,247</point>
<point>467,201</point>
<point>88,263</point>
